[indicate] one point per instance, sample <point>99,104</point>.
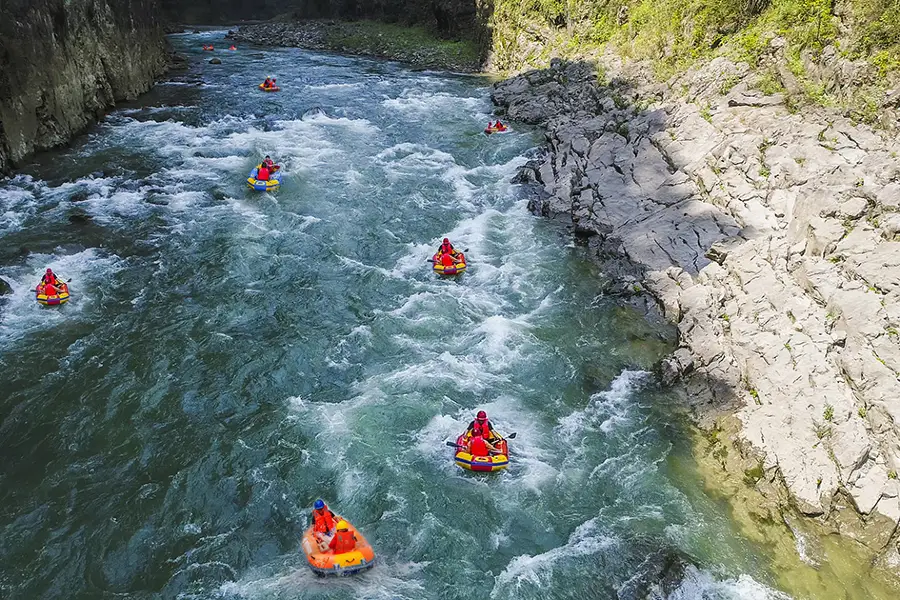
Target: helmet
<point>49,270</point>
<point>481,416</point>
<point>319,505</point>
<point>342,525</point>
<point>446,240</point>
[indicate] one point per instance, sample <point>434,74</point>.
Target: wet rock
<point>524,175</point>
<point>661,574</point>
<point>676,365</point>
<point>215,61</point>
<point>80,219</point>
<point>4,288</point>
<point>79,196</point>
<point>316,111</point>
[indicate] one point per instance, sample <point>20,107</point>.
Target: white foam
<point>21,315</point>
<point>525,572</point>
<point>699,584</point>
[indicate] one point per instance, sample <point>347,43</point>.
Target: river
<point>229,356</point>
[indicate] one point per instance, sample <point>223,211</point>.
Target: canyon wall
<point>64,62</point>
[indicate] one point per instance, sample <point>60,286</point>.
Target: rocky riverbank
<point>772,238</point>
<point>62,64</point>
<point>366,38</point>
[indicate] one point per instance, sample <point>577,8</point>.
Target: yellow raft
<point>60,297</point>
<point>494,462</point>
<point>270,184</point>
<point>458,266</point>
<point>323,561</point>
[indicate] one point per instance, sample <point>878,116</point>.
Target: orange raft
<point>60,297</point>
<point>324,561</point>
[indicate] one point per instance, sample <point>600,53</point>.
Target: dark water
<point>230,356</point>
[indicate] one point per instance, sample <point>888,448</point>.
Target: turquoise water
<point>229,356</point>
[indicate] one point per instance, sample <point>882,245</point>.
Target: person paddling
<point>344,540</point>
<point>262,173</point>
<point>479,446</point>
<point>50,277</point>
<point>323,519</point>
<point>481,426</point>
<point>267,83</point>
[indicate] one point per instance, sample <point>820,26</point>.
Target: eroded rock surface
<point>63,63</point>
<point>772,239</point>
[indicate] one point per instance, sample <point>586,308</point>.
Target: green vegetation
<point>892,474</point>
<point>674,34</point>
<point>754,473</point>
<point>829,412</point>
<point>862,412</point>
<point>412,44</point>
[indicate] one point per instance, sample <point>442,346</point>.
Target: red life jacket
<point>447,260</point>
<point>482,428</point>
<point>323,520</point>
<point>262,174</point>
<point>477,447</point>
<point>343,541</point>
<point>50,290</point>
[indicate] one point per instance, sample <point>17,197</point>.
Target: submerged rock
<point>5,288</point>
<point>80,219</point>
<point>316,111</point>
<point>215,61</point>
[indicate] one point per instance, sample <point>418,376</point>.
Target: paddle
<point>431,260</point>
<point>458,447</point>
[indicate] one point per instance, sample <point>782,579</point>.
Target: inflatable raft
<point>273,182</point>
<point>274,88</point>
<point>60,297</point>
<point>490,130</point>
<point>495,462</point>
<point>325,562</point>
<point>458,266</point>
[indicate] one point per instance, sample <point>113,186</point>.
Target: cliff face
<point>772,239</point>
<point>63,62</point>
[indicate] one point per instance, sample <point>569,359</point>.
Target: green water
<point>229,356</point>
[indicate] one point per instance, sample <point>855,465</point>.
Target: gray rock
<point>4,288</point>
<point>215,61</point>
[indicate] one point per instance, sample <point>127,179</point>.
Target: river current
<point>229,356</point>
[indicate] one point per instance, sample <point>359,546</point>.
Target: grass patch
<point>410,44</point>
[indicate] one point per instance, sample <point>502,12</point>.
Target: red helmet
<point>446,240</point>
<point>49,270</point>
<point>481,416</point>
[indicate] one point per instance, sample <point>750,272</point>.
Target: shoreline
<point>411,45</point>
<point>754,229</point>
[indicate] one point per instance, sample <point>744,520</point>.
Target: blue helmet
<point>319,505</point>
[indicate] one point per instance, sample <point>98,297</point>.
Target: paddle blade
<point>452,444</point>
<point>431,260</point>
<point>512,436</point>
